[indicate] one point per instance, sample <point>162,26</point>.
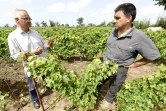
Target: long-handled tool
<point>37,91</point>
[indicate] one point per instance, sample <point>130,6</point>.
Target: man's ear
<point>129,18</point>
<point>17,19</point>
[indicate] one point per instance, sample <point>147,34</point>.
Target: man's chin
<point>30,25</point>
<point>116,27</point>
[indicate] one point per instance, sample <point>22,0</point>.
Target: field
<point>14,81</point>
<point>82,44</point>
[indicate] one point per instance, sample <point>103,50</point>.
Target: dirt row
<point>13,80</point>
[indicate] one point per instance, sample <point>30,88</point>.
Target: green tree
<point>161,3</point>
<point>143,24</point>
<point>161,22</point>
<point>80,21</point>
<point>102,24</point>
<point>6,25</point>
<point>62,25</point>
<point>110,23</point>
<point>14,25</point>
<point>91,24</point>
<point>44,24</point>
<point>66,25</point>
<point>57,24</point>
<point>37,24</point>
<point>52,24</point>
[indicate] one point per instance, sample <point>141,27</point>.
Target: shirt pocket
<point>36,43</point>
<point>125,52</point>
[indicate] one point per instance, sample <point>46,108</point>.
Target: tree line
<point>143,24</point>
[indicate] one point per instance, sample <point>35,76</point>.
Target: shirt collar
<point>19,30</point>
<point>128,34</point>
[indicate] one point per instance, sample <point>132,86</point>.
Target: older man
<point>24,40</point>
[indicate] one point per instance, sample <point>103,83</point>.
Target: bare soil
<point>13,80</point>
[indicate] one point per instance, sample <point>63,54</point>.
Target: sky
<point>68,11</point>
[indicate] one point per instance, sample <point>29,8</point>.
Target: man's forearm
<point>138,63</point>
<point>141,62</point>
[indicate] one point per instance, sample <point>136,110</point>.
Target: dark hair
<point>128,9</point>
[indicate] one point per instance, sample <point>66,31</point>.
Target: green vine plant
<point>3,102</point>
<point>82,91</point>
<point>144,94</point>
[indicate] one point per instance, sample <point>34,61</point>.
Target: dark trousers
<point>32,90</point>
<point>116,81</point>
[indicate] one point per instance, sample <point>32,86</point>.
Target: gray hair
<point>16,13</point>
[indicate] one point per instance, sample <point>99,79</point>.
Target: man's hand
<point>37,51</point>
<point>26,55</point>
<point>49,42</point>
<point>131,65</point>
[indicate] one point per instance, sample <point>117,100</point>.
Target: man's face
<point>24,21</point>
<point>120,20</point>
